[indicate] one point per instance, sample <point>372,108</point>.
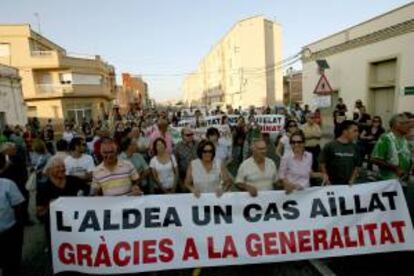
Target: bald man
<point>257,173</point>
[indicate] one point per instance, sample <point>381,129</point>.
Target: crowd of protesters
<point>135,154</point>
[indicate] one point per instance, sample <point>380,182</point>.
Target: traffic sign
<point>323,87</point>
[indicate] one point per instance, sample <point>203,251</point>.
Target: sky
<point>163,40</point>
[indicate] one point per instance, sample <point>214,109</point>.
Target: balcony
<point>44,91</point>
<point>44,59</point>
<point>52,88</point>
<point>56,59</point>
<point>85,61</point>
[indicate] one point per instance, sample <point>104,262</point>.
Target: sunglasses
<point>189,134</point>
<point>296,142</point>
<point>208,151</point>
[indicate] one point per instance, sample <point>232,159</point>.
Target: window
<point>86,79</point>
<point>31,111</point>
<point>4,50</point>
<point>55,111</point>
<point>2,120</point>
<point>78,114</point>
<point>65,78</point>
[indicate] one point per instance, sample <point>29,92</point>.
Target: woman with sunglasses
<point>296,166</point>
<point>369,137</point>
<point>207,174</point>
<point>283,146</point>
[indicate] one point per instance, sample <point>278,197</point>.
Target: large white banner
<point>114,235</point>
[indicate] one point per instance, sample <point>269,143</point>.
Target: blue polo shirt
<point>10,197</point>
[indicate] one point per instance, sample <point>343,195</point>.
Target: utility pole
<point>241,81</point>
<point>290,74</point>
<point>36,14</point>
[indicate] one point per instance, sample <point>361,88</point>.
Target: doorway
<point>383,75</point>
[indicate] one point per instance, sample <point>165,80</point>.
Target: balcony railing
<point>81,56</point>
<point>42,53</point>
<point>54,88</point>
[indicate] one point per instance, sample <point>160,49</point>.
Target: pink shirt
<point>156,134</point>
<point>296,171</point>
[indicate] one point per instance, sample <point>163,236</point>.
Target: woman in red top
<point>318,117</point>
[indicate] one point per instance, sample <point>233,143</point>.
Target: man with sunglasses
<point>185,152</point>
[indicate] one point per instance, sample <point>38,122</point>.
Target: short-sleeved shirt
<point>79,166</point>
<point>286,144</point>
<point>10,197</point>
<point>223,151</point>
<point>395,150</point>
<point>296,171</point>
<point>185,153</point>
<point>117,181</point>
<point>167,138</point>
<point>341,107</point>
<point>340,161</point>
<point>137,160</point>
<point>312,131</point>
<point>250,173</point>
<point>165,171</point>
<point>74,186</point>
<point>206,181</point>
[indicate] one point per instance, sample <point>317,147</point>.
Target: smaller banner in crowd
<point>114,235</point>
<point>271,123</point>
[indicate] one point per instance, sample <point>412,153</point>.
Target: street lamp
<point>290,74</point>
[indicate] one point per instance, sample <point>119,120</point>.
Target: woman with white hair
<point>58,184</point>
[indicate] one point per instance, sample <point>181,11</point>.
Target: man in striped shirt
<point>115,177</point>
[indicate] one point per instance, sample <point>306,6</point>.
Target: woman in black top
<point>369,137</point>
<point>58,184</point>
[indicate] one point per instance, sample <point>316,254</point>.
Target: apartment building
<point>242,69</point>
<point>133,93</point>
<point>55,84</point>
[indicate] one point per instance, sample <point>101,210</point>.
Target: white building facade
<point>242,69</point>
<point>12,106</point>
<point>372,61</point>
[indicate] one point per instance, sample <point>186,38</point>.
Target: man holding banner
<point>185,151</point>
<point>340,161</point>
<point>257,173</point>
<point>115,177</point>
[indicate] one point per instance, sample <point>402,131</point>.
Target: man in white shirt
<point>68,134</point>
<point>257,173</point>
<point>11,228</point>
<point>78,163</point>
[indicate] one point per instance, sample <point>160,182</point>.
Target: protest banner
<point>269,123</point>
<point>115,235</point>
